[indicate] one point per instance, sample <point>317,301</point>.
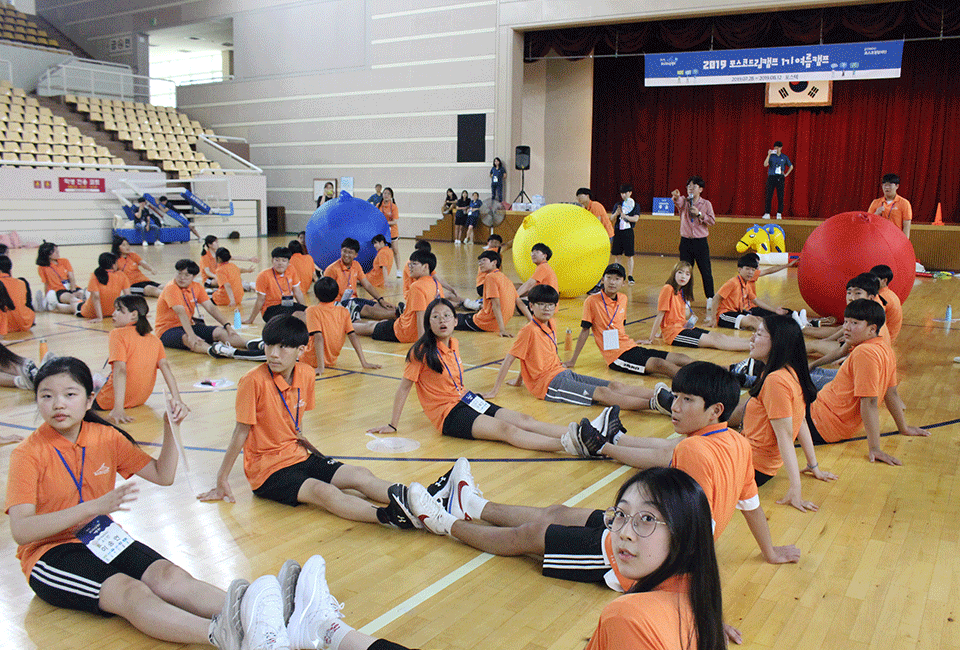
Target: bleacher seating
<point>162,135</point>
<point>32,133</point>
<point>19,27</point>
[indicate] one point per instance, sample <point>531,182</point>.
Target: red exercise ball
<point>846,245</point>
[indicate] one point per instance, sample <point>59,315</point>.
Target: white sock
<point>473,504</point>
<point>334,635</point>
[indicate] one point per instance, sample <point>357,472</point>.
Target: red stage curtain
<point>656,138</point>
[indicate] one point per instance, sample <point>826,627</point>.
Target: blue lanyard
<point>552,337</point>
<point>710,433</point>
<point>459,368</point>
<point>296,420</point>
<point>616,308</point>
<point>437,284</point>
<point>743,291</point>
<point>278,283</point>
<point>83,457</point>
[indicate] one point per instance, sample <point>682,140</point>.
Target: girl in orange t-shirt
<point>230,286</point>
<point>135,356</point>
<point>434,367</point>
<point>129,263</point>
<point>106,285</point>
<point>660,530</point>
<point>392,214</point>
<point>46,493</point>
<point>16,315</point>
<point>208,262</point>
<point>60,290</point>
<point>773,415</point>
<point>675,321</point>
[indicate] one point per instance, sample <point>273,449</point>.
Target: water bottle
<point>568,343</point>
<point>44,348</point>
<point>237,322</point>
<point>949,316</point>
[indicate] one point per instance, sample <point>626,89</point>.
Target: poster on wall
<point>82,185</point>
<point>832,62</point>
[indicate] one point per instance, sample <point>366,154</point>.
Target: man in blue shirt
<point>778,168</point>
<point>377,195</point>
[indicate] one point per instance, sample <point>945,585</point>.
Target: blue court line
<point>484,365</point>
<point>634,322</point>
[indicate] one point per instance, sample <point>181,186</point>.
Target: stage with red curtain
<point>656,138</point>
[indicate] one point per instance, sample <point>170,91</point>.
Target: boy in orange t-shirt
<point>329,325</point>
<point>892,206</point>
<point>279,462</point>
<point>543,273</point>
<point>303,264</point>
<point>350,277</point>
<point>892,308</point>
<point>408,327</point>
<point>382,263</point>
<point>499,300</point>
<point>278,289</point>
<point>868,374</point>
<point>739,306</point>
<point>545,376</point>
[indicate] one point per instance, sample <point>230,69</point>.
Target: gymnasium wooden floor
<point>881,559</point>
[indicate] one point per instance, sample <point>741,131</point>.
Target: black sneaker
<point>748,367</point>
<point>596,289</point>
<point>630,279</point>
<point>397,512</point>
<point>400,308</point>
<point>440,489</point>
<point>745,381</point>
<point>591,440</point>
<point>255,344</point>
<point>662,400</point>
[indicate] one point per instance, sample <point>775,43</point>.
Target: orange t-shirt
<point>190,299</point>
<point>208,262</point>
<point>382,264</point>
<point>142,354</point>
<point>603,313</point>
<point>780,397</point>
<point>129,265</point>
<point>347,277</point>
<point>674,306</point>
<point>737,294</point>
<point>897,211</point>
<point>496,285</point>
<point>333,322</point>
<point>228,273</point>
<point>720,460</point>
<point>438,392</point>
<point>544,274</point>
<point>116,284</point>
<point>305,268</point>
<point>869,370</point>
<point>272,443</point>
<point>56,276</point>
<point>392,213</point>
<point>661,619</point>
<point>536,347</point>
<point>274,287</point>
<point>601,213</point>
<point>422,292</point>
<point>893,311</point>
<point>38,477</point>
<point>21,317</point>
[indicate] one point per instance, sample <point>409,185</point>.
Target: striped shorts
<point>570,388</point>
<point>576,552</point>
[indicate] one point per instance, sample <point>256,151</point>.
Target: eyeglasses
<point>545,305</point>
<point>644,523</point>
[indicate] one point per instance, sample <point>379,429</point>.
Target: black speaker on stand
<point>522,160</point>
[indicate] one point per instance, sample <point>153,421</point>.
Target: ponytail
<point>105,262</point>
<point>209,239</point>
<point>138,305</point>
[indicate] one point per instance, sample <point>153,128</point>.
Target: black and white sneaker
<point>662,400</point>
<point>596,289</point>
<point>591,440</point>
<point>608,424</point>
<point>398,512</point>
<point>255,344</point>
<point>440,489</point>
<point>630,279</point>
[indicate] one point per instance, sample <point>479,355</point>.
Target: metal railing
<point>67,165</point>
<point>97,79</point>
<point>248,167</point>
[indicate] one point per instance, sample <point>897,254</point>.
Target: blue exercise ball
<point>343,217</point>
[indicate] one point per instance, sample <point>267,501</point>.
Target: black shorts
<point>137,287</point>
<point>278,310</point>
<point>814,434</point>
<point>173,337</point>
<point>689,338</point>
<point>576,552</point>
<point>70,575</point>
<point>760,477</point>
<point>283,485</point>
<point>729,319</point>
<point>62,292</point>
<point>459,421</point>
<point>472,218</point>
<point>623,243</point>
<point>465,323</point>
<point>460,219</point>
<point>383,331</point>
<point>635,360</point>
<point>355,306</point>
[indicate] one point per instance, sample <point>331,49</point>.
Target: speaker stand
<point>522,193</point>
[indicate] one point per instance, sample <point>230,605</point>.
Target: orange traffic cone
<point>938,220</point>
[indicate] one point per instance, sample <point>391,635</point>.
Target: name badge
<point>105,538</point>
<point>286,301</point>
<point>611,339</point>
<point>475,402</point>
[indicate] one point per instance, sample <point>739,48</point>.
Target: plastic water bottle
<point>568,343</point>
<point>949,316</point>
<point>44,348</point>
<point>237,324</point>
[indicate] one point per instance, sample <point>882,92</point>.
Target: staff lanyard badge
<point>611,337</point>
<point>475,402</point>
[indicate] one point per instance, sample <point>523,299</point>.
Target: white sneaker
<point>779,216</point>
<point>472,304</point>
<point>21,383</point>
<point>399,273</point>
<point>428,510</point>
<point>52,300</point>
<point>800,317</point>
<point>461,481</point>
<point>456,242</point>
<point>287,577</point>
<point>39,300</point>
<point>766,215</point>
<point>226,631</point>
<point>956,359</point>
<point>261,615</point>
<point>571,441</point>
<point>316,613</point>
<point>144,243</point>
<point>222,350</point>
<point>159,243</point>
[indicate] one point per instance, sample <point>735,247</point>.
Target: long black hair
<point>136,305</point>
<point>685,508</point>
<point>9,358</point>
<point>425,349</point>
<point>43,253</point>
<point>105,262</point>
<point>80,373</point>
<point>787,349</point>
<point>209,239</point>
<point>115,248</point>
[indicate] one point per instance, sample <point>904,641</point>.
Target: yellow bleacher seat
<point>11,147</point>
<point>59,121</point>
<point>103,161</point>
<point>26,157</point>
<point>74,160</point>
<point>42,157</point>
<point>44,147</point>
<point>74,150</point>
<point>28,147</point>
<point>59,159</point>
<point>117,161</point>
<point>89,160</point>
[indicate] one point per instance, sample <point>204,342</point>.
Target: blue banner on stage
<point>663,206</point>
<point>841,62</point>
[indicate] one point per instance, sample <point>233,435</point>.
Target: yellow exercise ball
<point>581,248</point>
